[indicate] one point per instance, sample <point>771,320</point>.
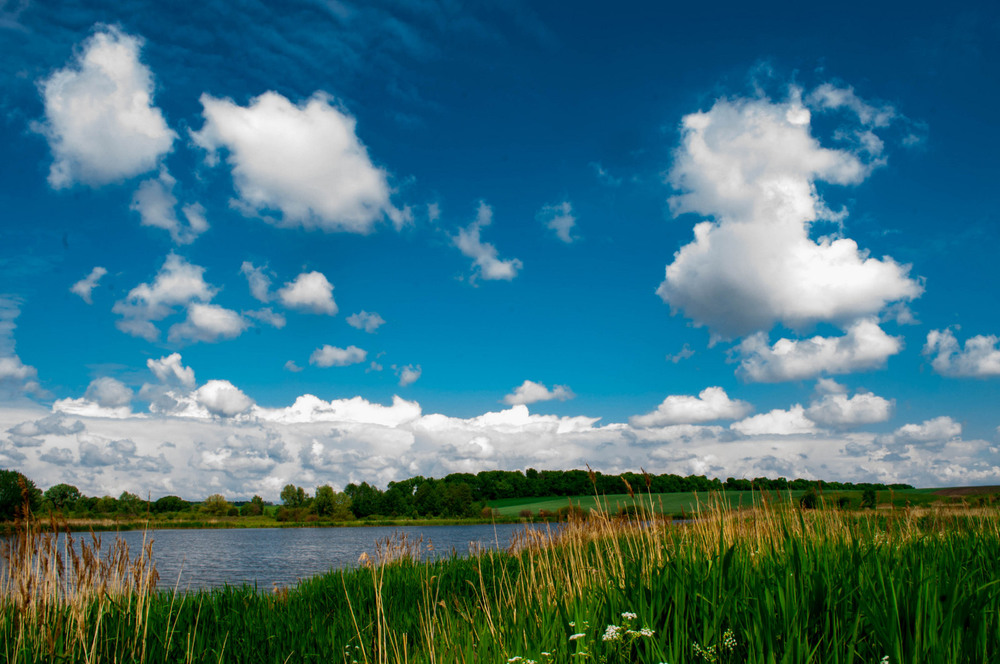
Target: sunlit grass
<point>768,584</point>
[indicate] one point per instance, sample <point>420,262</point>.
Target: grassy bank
<point>770,584</point>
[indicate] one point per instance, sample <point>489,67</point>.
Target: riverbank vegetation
<point>485,497</point>
<point>771,583</point>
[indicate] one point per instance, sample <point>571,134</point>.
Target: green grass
<point>687,502</point>
<point>764,586</point>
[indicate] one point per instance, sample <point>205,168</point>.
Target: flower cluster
<point>713,653</point>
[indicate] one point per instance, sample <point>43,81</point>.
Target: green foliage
<point>332,504</point>
<point>216,505</point>
<point>170,504</point>
<point>15,491</point>
<point>809,500</point>
<point>63,496</point>
<point>869,499</point>
<point>294,496</point>
<point>253,508</point>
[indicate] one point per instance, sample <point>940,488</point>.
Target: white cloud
<point>530,392</point>
<point>331,356</point>
<point>683,354</point>
<point>176,284</point>
<point>31,433</point>
<point>777,422</point>
<point>711,404</point>
<point>363,320</point>
<point>829,96</point>
<point>222,398</point>
<point>85,287</point>
<point>408,375</point>
<point>109,392</point>
<point>938,429</point>
<point>835,409</point>
<point>979,358</point>
<point>209,323</point>
<point>304,160</point>
<point>99,116</point>
<point>484,254</point>
<point>309,292</point>
<point>16,377</point>
<point>864,346</point>
<point>752,165</point>
<point>171,370</point>
<point>156,204</point>
<point>291,366</point>
<point>258,280</point>
<point>559,218</point>
<point>268,316</point>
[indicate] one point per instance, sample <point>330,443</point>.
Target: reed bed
<point>768,584</point>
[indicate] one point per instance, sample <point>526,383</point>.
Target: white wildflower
<point>574,637</point>
<point>612,633</point>
<point>628,615</point>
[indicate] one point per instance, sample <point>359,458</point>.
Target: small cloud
<point>408,374</point>
<point>86,286</point>
<point>222,398</point>
<point>369,322</point>
<point>268,316</point>
<point>980,358</point>
<point>311,291</point>
<point>258,280</point>
<point>559,218</point>
<point>108,392</point>
<point>156,204</point>
<point>604,177</point>
<point>170,370</point>
<point>291,366</point>
<point>530,392</point>
<point>711,404</point>
<point>208,323</point>
<point>486,264</point>
<point>777,422</point>
<point>331,356</point>
<point>683,354</point>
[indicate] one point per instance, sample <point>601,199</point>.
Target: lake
<point>206,558</point>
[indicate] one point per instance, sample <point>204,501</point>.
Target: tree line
<point>458,495</point>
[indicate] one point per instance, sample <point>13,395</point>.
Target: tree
<point>129,503</point>
<point>16,491</point>
<point>170,504</point>
<point>216,504</point>
<point>334,504</point>
<point>294,496</point>
<point>63,496</point>
<point>809,500</point>
<point>869,499</point>
<point>254,508</point>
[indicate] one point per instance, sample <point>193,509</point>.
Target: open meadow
<point>770,583</point>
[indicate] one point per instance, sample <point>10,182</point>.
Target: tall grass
<point>770,584</point>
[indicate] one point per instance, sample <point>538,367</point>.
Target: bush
<point>525,514</point>
<point>869,499</point>
<point>809,500</point>
<point>843,502</point>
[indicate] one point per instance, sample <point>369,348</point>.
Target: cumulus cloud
<point>16,377</point>
<point>408,374</point>
<point>309,292</point>
<point>85,287</point>
<point>864,346</point>
<point>100,120</point>
<point>559,218</point>
<point>209,323</point>
<point>304,161</point>
<point>711,404</point>
<point>31,433</point>
<point>331,356</point>
<point>176,284</point>
<point>156,204</point>
<point>934,430</point>
<point>171,370</point>
<point>530,392</point>
<point>109,392</point>
<point>258,280</point>
<point>486,264</point>
<point>363,320</point>
<point>268,316</point>
<point>979,358</point>
<point>777,422</point>
<point>752,166</point>
<point>834,408</point>
<point>222,398</point>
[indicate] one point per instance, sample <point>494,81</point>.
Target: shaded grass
<point>772,584</point>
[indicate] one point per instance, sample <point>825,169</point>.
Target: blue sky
<point>333,242</point>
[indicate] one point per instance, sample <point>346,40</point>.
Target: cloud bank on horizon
<point>207,218</point>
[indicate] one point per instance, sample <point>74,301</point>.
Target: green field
<point>688,502</point>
